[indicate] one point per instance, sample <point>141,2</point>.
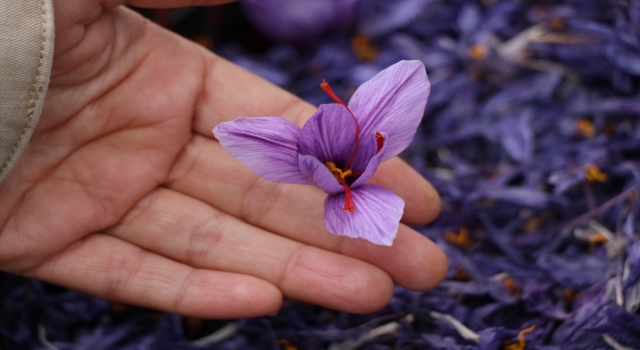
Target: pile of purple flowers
<point>531,137</point>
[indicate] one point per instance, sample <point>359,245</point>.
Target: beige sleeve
<point>26,53</point>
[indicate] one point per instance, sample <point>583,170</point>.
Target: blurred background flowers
<point>531,136</point>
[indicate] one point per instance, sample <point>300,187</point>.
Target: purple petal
<point>393,102</point>
<point>516,136</point>
<point>367,149</point>
<point>517,195</point>
<point>376,216</point>
<point>318,174</point>
<point>267,145</point>
<point>329,135</point>
<point>401,14</point>
<point>372,166</point>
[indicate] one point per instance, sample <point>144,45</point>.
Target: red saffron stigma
<point>327,88</point>
<point>380,141</point>
<point>348,198</point>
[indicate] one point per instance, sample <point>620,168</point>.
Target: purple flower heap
<point>339,148</point>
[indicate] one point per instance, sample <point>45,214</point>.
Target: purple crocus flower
<point>299,20</point>
<point>340,148</point>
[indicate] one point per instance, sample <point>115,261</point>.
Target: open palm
<point>124,193</point>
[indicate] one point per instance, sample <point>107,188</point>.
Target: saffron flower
<point>299,21</point>
<point>339,149</point>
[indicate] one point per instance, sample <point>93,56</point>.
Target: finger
<point>297,212</point>
<point>111,268</point>
<point>230,92</point>
<point>422,202</point>
<point>190,231</point>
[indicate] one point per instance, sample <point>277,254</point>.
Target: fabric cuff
<point>26,54</point>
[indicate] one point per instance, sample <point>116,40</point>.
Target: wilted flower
<point>339,148</point>
<point>299,20</point>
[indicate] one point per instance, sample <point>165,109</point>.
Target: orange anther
<point>286,345</point>
<point>363,48</point>
<point>521,344</point>
<point>586,127</point>
<point>598,238</point>
<point>460,239</point>
<point>592,173</point>
<point>511,286</point>
<point>478,51</point>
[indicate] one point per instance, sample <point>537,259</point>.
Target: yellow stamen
<point>460,239</point>
<point>286,345</point>
<point>511,286</point>
<point>337,172</point>
<point>478,51</point>
<point>598,238</point>
<point>340,176</point>
<point>592,173</point>
<point>521,344</point>
<point>363,48</point>
<point>586,128</point>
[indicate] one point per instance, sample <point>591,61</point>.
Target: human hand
<point>123,193</point>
